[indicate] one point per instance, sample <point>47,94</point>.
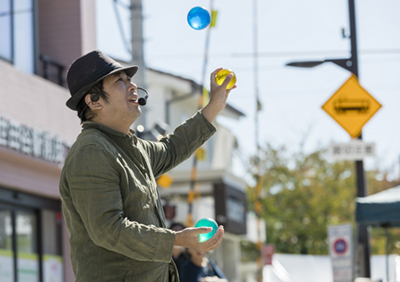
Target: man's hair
<point>84,111</point>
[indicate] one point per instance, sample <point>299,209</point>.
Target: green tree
<point>303,193</point>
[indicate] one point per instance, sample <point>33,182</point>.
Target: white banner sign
<point>341,252</point>
<point>352,151</point>
<point>31,141</point>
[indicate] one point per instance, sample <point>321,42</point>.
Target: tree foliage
<point>301,195</point>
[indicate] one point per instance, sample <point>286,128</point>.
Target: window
<point>27,245</point>
<point>30,238</point>
<point>6,248</point>
<point>16,35</point>
<point>5,34</point>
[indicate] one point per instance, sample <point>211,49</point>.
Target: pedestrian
<point>200,268</point>
<point>178,253</point>
<point>114,216</point>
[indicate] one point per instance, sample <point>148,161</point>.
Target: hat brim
<point>73,102</point>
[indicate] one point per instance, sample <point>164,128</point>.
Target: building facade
<point>39,39</point>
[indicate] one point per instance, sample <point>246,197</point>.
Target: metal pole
<point>257,202</point>
<point>36,64</point>
<point>39,242</point>
<point>14,244</point>
<point>12,27</point>
<point>363,249</point>
<point>387,252</point>
<point>138,50</point>
<point>255,62</point>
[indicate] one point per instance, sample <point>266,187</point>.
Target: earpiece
<point>94,97</point>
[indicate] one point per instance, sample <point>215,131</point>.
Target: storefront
<point>30,211</point>
<point>30,238</point>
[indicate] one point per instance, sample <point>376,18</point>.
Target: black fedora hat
<point>89,69</point>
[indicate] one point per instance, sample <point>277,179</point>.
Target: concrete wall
<point>36,102</point>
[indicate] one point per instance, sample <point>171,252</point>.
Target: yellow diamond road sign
<point>351,106</point>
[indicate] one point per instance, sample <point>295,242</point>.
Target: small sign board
<point>351,106</point>
<point>231,208</point>
<point>352,151</point>
<point>341,252</point>
<point>268,251</point>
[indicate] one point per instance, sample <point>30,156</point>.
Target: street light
<point>344,63</point>
<point>351,64</point>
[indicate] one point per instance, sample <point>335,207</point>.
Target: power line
<point>281,54</point>
<point>308,53</point>
<point>279,67</point>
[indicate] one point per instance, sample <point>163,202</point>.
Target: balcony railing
<point>52,70</point>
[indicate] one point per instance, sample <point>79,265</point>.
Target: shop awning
<point>382,209</point>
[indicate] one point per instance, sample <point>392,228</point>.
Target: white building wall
<point>37,102</point>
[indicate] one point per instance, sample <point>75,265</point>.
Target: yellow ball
<point>221,75</point>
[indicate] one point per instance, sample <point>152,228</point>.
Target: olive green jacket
<point>111,205</point>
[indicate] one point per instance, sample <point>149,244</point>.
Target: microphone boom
<point>143,100</point>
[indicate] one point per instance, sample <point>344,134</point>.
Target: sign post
<point>353,126</point>
<point>352,107</point>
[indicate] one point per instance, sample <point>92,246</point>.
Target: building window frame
<point>16,202</point>
<point>33,32</point>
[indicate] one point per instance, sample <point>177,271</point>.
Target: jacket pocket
<point>129,276</point>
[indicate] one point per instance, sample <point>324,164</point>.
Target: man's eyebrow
<point>116,74</point>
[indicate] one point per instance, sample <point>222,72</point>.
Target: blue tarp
<point>381,209</point>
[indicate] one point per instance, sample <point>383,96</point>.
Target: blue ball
<point>207,222</point>
<point>198,18</point>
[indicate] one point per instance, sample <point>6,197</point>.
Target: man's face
<point>122,106</point>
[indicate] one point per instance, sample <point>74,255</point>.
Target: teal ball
<point>207,222</point>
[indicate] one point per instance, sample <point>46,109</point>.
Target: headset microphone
<point>143,100</point>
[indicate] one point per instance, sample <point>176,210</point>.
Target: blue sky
<point>288,30</point>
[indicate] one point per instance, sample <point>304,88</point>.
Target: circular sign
<point>340,246</point>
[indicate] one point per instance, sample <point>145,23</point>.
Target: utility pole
<point>257,188</point>
<point>362,248</point>
<point>137,48</point>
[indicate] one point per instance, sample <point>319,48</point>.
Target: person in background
<point>200,268</point>
<point>178,254</point>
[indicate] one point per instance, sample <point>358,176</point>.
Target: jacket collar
<point>108,130</point>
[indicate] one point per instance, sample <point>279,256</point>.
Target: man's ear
<point>87,99</point>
